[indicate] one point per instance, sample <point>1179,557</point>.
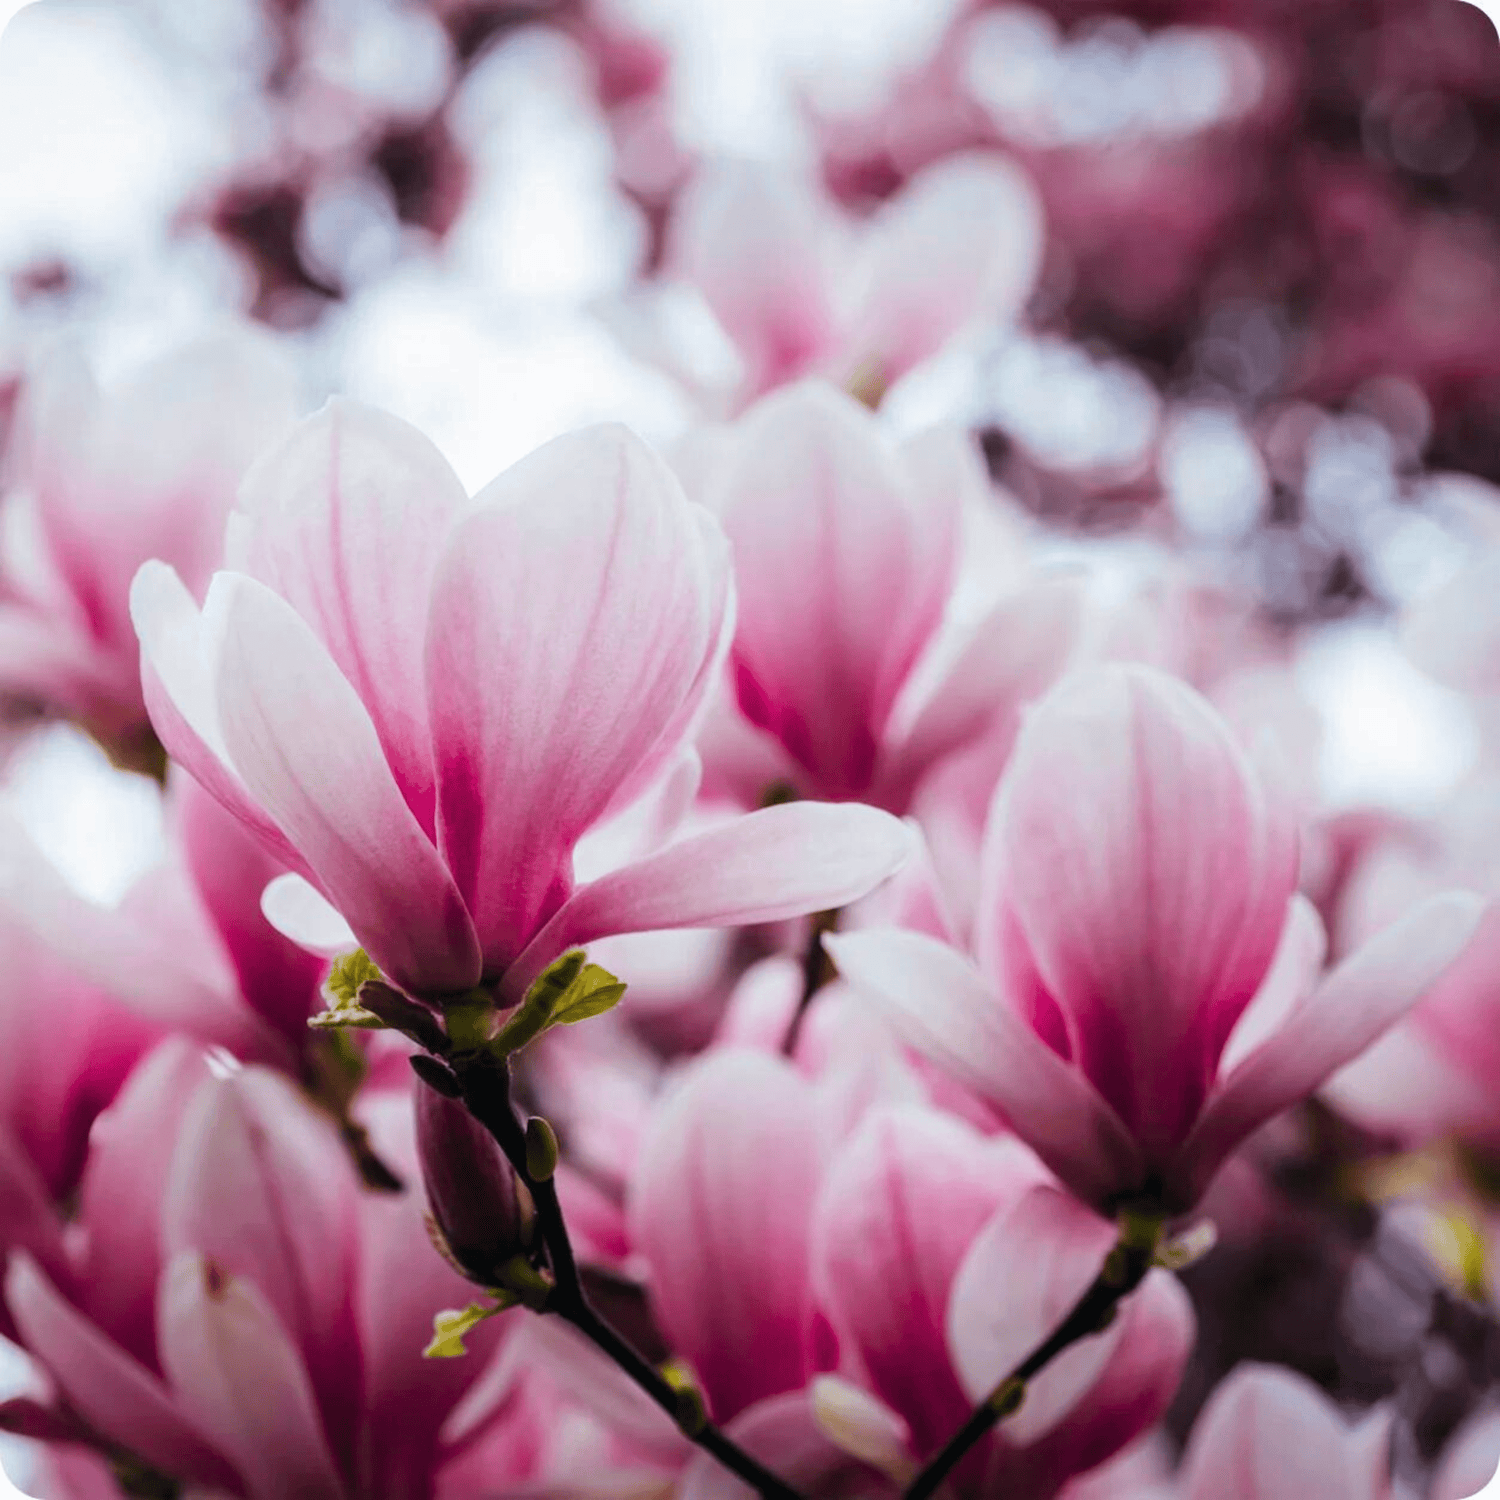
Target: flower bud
<point>482,1211</point>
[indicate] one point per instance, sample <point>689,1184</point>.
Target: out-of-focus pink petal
<point>346,520</point>
<point>961,245</point>
<point>1267,1434</point>
<point>761,248</point>
<point>306,748</point>
<point>1148,875</point>
<point>902,1203</point>
<point>120,1198</point>
<point>230,869</point>
<point>843,573</point>
<point>1369,991</point>
<point>112,1391</point>
<point>261,1186</point>
<point>720,1209</point>
<point>1472,1459</point>
<point>940,1005</point>
<point>30,1221</point>
<point>1044,1251</point>
<point>1013,656</point>
<point>576,619</point>
<point>301,913</point>
<point>1131,1395</point>
<point>763,867</point>
<point>238,1375</point>
<point>784,1433</point>
<point>1288,982</point>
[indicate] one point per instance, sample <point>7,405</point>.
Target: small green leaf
<point>593,992</point>
<point>349,971</point>
<point>449,1328</point>
<point>346,1015</point>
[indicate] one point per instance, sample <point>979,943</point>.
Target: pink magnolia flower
<point>235,1313</point>
<point>846,555</point>
<point>1267,1434</point>
<point>106,480</point>
<point>1139,897</point>
<point>422,704</point>
<point>800,291</point>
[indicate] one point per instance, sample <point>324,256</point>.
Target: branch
<point>1123,1270</point>
<point>484,1084</point>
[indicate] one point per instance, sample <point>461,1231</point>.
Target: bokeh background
<point>1262,330</point>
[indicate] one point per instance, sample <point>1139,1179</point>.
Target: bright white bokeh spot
<point>1213,474</point>
<point>101,827</point>
<point>1392,737</point>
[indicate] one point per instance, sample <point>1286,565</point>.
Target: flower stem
<point>1123,1270</point>
<point>484,1084</point>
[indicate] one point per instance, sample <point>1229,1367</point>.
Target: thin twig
<point>484,1081</point>
<point>1123,1271</point>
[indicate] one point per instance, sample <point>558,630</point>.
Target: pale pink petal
<point>1268,1434</point>
<point>902,1203</point>
<point>960,245</point>
<point>761,247</point>
<point>1471,1461</point>
<point>1156,1335</point>
<point>302,913</point>
<point>305,747</point>
<point>239,1377</point>
<point>177,678</point>
<point>120,1198</point>
<point>1023,1273</point>
<point>346,520</point>
<point>1013,656</point>
<point>1148,875</point>
<point>784,1433</point>
<point>763,867</point>
<point>29,1219</point>
<point>724,1190</point>
<point>577,617</point>
<point>114,1392</point>
<point>1369,991</point>
<point>940,1005</point>
<point>843,572</point>
<point>261,1186</point>
<point>1288,982</point>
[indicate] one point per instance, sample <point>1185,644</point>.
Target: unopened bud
<point>541,1149</point>
<point>482,1210</point>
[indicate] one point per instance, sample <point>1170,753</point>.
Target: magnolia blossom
<point>105,480</point>
<point>422,703</point>
<point>847,555</point>
<point>1146,991</point>
<point>800,291</point>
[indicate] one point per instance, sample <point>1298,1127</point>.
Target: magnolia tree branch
<point>1123,1270</point>
<point>483,1083</point>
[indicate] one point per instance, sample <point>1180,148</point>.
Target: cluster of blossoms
<point>742,969</point>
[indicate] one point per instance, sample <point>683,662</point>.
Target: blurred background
<point>1257,254</point>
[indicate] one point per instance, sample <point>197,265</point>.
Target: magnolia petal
<point>1369,991</point>
<point>763,867</point>
<point>238,1375</point>
<point>1293,973</point>
<point>112,1391</point>
<point>1267,1434</point>
<point>719,1210</point>
<point>939,1004</point>
<point>177,680</point>
<point>346,520</point>
<point>1044,1252</point>
<point>786,1434</point>
<point>309,753</point>
<point>577,617</point>
<point>301,912</point>
<point>843,576</point>
<point>902,1203</point>
<point>1148,873</point>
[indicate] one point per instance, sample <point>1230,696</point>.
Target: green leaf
<point>593,992</point>
<point>449,1328</point>
<point>349,971</point>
